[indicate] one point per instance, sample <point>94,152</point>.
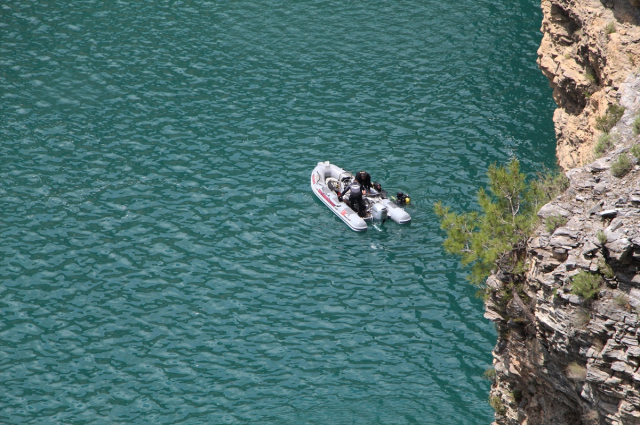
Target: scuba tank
<point>402,198</point>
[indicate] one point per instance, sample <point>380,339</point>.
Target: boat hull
<point>325,172</point>
<point>318,178</point>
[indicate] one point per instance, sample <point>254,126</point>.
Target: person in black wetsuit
<point>402,198</point>
<point>365,180</point>
<point>378,188</point>
<point>355,197</point>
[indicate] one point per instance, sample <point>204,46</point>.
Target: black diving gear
<point>364,179</point>
<point>402,198</point>
<point>355,198</point>
<point>378,187</point>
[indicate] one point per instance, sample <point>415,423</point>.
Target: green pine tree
<point>495,237</point>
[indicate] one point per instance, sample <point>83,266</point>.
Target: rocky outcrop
<point>588,49</point>
<point>561,358</point>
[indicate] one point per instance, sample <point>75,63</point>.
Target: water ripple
<point>163,260</point>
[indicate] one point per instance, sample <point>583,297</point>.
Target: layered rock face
<point>588,49</point>
<point>561,359</point>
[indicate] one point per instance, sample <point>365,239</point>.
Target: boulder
<point>589,249</point>
<point>634,297</point>
<point>563,241</point>
<point>622,367</point>
<point>615,224</point>
<point>553,210</point>
<point>494,283</point>
<point>613,236</point>
<point>536,243</point>
<point>493,316</point>
<point>609,408</point>
<point>597,327</point>
<point>565,231</point>
<point>600,165</point>
<point>572,298</point>
<point>614,351</point>
<point>596,208</point>
<point>610,213</point>
<point>601,188</point>
<point>620,248</point>
<point>559,253</point>
<point>629,341</point>
<point>596,375</point>
<point>629,413</point>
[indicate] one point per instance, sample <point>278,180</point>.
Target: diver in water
<point>365,180</point>
<point>402,198</point>
<point>378,187</point>
<point>355,197</point>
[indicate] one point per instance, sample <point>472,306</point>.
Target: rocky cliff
<point>588,49</point>
<point>563,358</point>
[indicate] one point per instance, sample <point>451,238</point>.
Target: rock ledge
<point>563,359</point>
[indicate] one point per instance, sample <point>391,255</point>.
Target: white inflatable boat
<point>327,178</point>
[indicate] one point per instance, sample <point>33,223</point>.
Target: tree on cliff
<point>494,238</point>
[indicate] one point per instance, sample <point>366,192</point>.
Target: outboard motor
<point>379,213</point>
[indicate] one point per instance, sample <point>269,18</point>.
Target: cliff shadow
<point>624,11</point>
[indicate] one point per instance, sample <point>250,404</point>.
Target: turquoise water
<point>163,258</point>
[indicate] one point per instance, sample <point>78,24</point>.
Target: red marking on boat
<point>343,212</point>
<point>325,197</point>
<point>313,179</point>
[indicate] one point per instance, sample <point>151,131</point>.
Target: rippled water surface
<point>163,259</point>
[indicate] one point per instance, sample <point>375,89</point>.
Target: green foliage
<point>496,403</point>
<point>622,301</point>
<point>581,318</point>
<point>576,372</point>
<point>602,238</point>
<point>592,417</point>
<point>507,218</point>
<point>635,151</point>
<point>636,126</point>
<point>605,143</point>
<point>590,75</point>
<point>621,166</point>
<point>490,374</point>
<point>586,285</point>
<point>606,122</point>
<point>554,222</point>
<point>549,184</point>
<point>605,268</point>
<point>610,28</point>
<point>482,294</point>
